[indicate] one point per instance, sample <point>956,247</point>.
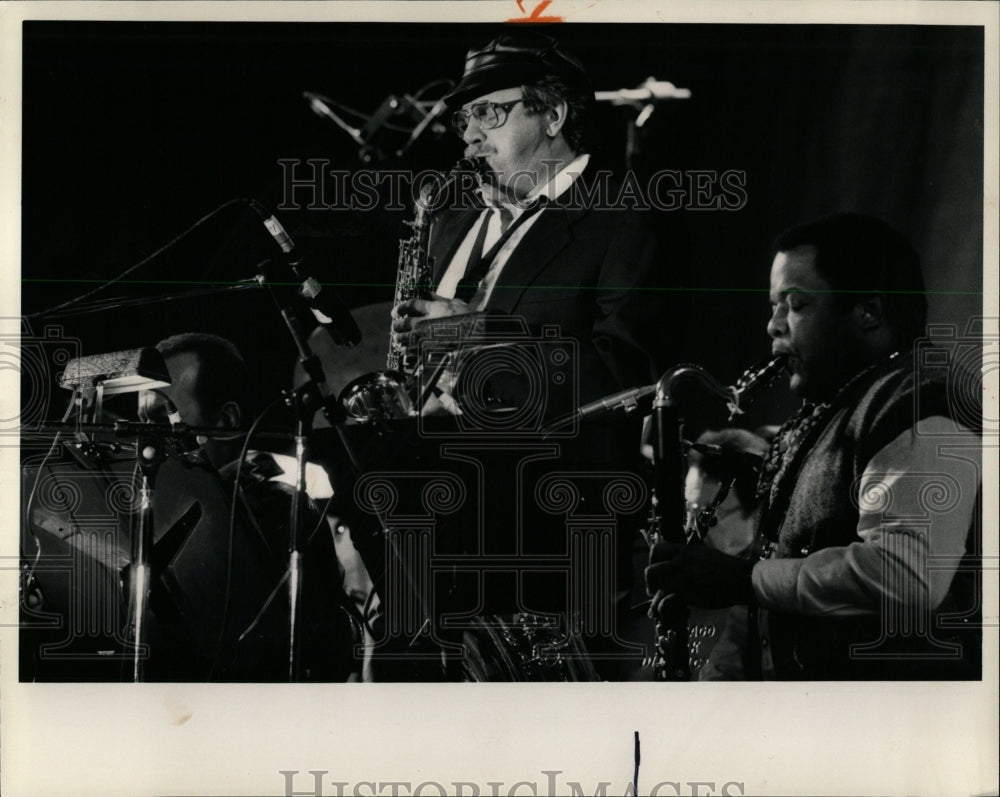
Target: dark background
<point>134,131</point>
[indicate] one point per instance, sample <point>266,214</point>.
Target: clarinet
<point>670,661</point>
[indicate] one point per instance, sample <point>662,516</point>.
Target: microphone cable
<point>230,546</point>
<point>176,239</point>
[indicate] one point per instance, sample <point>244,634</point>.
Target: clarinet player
<point>865,559</point>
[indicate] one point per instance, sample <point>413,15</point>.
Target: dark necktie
<point>480,261</point>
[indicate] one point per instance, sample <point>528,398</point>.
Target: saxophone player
<point>545,245</point>
<point>540,243</point>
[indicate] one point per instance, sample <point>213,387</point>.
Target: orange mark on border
<point>536,15</point>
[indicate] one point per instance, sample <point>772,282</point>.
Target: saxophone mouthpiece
<point>435,191</point>
<point>762,374</point>
<point>755,378</point>
<point>773,367</point>
<point>467,165</point>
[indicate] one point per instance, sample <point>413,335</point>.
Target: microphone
<point>627,400</point>
<point>429,120</point>
<point>326,307</point>
<point>320,108</point>
<point>651,90</point>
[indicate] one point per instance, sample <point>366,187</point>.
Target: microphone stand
<point>633,135</point>
<point>424,115</point>
<point>149,454</point>
<point>320,108</point>
<point>304,401</point>
<point>643,100</point>
<point>151,451</point>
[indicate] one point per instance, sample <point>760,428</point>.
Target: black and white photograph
<point>499,398</point>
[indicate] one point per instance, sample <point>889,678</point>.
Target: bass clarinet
<point>668,510</point>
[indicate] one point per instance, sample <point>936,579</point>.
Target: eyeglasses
<point>489,115</point>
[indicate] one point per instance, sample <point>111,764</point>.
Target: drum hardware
<point>149,456</point>
<point>525,647</point>
<point>147,564</point>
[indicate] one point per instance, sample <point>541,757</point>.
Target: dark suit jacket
<point>584,269</point>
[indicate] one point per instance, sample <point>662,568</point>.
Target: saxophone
<point>668,510</point>
<point>388,394</point>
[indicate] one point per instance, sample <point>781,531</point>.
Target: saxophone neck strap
<point>480,261</point>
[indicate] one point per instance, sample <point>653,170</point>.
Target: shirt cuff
<point>774,580</point>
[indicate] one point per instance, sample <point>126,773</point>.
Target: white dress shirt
<point>551,190</point>
<point>916,501</point>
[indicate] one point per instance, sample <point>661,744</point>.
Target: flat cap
<point>512,60</point>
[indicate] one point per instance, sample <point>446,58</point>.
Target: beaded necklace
<point>796,431</point>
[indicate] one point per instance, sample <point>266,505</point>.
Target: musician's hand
<point>699,575</point>
<point>407,316</point>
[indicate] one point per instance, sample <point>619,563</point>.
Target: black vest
<point>815,506</point>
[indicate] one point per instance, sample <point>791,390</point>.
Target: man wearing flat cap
<point>540,247</point>
<point>540,243</point>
